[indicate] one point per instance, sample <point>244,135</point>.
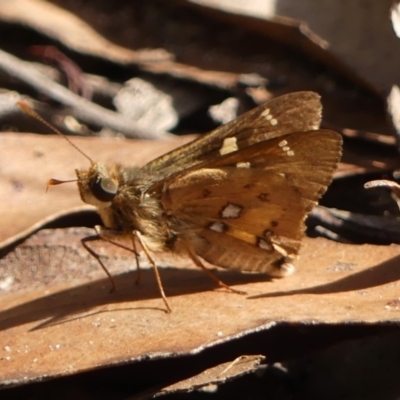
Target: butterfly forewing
<point>294,112</point>
<point>307,160</point>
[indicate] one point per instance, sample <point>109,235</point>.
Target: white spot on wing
<point>243,165</point>
<point>263,244</point>
<point>218,227</point>
<point>228,146</point>
<point>231,211</point>
<point>284,145</point>
<point>269,117</point>
<point>280,249</point>
<point>265,113</point>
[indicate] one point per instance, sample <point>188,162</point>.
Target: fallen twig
<point>82,109</point>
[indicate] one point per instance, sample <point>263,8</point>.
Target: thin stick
<point>82,109</point>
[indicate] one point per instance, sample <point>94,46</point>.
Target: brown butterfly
<point>237,197</point>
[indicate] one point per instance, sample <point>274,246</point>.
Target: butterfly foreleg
<point>138,274</point>
<point>139,237</point>
<point>108,235</point>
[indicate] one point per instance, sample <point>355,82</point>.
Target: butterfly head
<point>97,186</point>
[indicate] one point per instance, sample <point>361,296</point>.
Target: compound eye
<point>105,189</point>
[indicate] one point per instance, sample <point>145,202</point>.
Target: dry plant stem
<point>82,109</point>
<point>394,186</point>
<point>98,85</point>
<point>197,261</point>
<point>233,363</point>
<point>75,76</point>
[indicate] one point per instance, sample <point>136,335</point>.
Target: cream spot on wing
<point>243,165</point>
<point>218,227</point>
<point>283,143</point>
<point>280,249</point>
<point>265,113</point>
<point>228,146</point>
<point>231,211</point>
<point>263,244</point>
<point>269,117</point>
<point>286,148</point>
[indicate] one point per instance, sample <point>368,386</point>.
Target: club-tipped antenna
<point>54,182</point>
<point>28,110</point>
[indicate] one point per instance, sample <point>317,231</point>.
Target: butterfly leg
<point>140,239</point>
<point>138,275</point>
<point>192,254</point>
<point>93,238</point>
<point>103,234</point>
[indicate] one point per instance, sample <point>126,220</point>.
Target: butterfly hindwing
<point>245,210</point>
<point>232,225</point>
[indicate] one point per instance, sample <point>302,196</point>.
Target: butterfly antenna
<point>28,110</point>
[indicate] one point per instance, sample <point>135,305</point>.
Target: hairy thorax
<point>130,207</point>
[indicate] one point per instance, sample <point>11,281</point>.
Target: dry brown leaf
<point>273,19</point>
<point>29,161</point>
<point>217,375</point>
<point>363,40</point>
<point>197,36</point>
<point>359,33</point>
<point>69,29</point>
<point>58,320</point>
